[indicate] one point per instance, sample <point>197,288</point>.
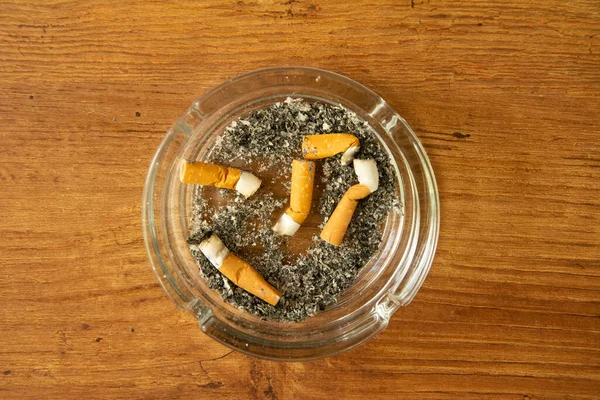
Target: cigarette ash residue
<point>318,277</point>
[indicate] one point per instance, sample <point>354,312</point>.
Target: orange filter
<point>205,174</point>
<point>303,179</point>
<point>337,224</point>
<point>315,147</point>
<point>246,277</point>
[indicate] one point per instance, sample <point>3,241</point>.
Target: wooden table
<point>505,96</point>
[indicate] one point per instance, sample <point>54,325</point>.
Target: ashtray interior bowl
<point>391,278</point>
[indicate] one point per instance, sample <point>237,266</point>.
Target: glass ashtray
<point>388,281</point>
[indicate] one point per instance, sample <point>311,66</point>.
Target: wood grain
<point>504,94</point>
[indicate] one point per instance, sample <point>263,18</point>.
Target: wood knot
<point>459,135</point>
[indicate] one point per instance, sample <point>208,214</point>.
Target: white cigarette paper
<point>367,174</point>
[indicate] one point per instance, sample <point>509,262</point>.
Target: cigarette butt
<point>315,147</point>
<point>337,224</point>
<point>303,179</point>
<point>205,174</point>
<point>238,271</point>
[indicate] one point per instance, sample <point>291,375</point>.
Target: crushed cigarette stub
<point>337,224</point>
<point>315,147</point>
<point>237,270</point>
<point>303,179</point>
<point>205,174</point>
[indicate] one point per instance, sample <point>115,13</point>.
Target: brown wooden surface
<point>505,96</point>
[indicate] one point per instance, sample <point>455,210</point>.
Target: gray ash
<point>315,279</point>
